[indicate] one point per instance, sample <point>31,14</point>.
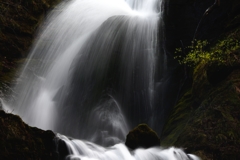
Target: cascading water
<point>81,150</point>
<point>95,57</point>
<point>91,75</point>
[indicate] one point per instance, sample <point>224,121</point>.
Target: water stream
<point>90,75</point>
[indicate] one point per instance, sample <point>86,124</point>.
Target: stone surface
<point>20,141</point>
<point>205,119</point>
<point>142,137</point>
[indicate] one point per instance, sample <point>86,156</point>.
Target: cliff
<point>205,119</point>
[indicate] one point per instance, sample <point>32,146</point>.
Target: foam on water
<point>83,150</point>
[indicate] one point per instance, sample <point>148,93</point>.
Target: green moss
<point>212,126</point>
<point>178,120</point>
<point>206,119</point>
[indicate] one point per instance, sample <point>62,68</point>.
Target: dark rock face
<point>216,74</point>
<point>206,120</point>
<point>207,116</point>
<point>142,136</point>
<point>185,20</point>
<point>20,141</point>
<point>62,149</point>
<point>19,21</point>
<point>181,18</point>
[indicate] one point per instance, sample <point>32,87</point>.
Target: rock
<point>63,151</point>
<point>217,73</point>
<point>142,136</point>
<point>19,23</point>
<point>20,141</point>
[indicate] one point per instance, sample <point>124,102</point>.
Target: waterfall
<point>92,68</point>
<point>91,75</point>
<point>82,150</point>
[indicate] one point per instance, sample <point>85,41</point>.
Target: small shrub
<point>225,52</point>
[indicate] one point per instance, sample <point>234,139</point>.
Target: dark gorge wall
<point>176,29</point>
<point>19,21</point>
<point>205,119</point>
<point>186,19</point>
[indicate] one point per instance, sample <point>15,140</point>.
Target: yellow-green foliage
<point>222,53</point>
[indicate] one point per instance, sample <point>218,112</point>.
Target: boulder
<point>142,136</point>
<point>20,141</point>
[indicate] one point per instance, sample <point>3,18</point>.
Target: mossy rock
<point>20,141</point>
<point>211,127</point>
<point>142,137</point>
<point>19,21</point>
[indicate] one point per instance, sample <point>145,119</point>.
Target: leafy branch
<point>225,52</point>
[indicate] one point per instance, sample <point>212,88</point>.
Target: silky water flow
<point>90,75</point>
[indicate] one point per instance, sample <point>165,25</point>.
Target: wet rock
<point>142,136</point>
<point>62,149</point>
<point>20,141</point>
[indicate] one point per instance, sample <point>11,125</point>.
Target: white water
<point>73,32</point>
<point>83,150</point>
<point>62,38</point>
<point>90,75</point>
